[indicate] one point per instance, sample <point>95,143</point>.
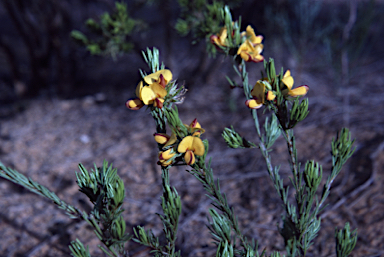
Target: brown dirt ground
<point>48,139</point>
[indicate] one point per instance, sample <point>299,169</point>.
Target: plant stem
<point>288,134</point>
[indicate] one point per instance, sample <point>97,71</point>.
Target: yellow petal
<point>134,104</point>
<point>197,131</point>
<point>288,79</point>
<point>253,104</point>
<point>198,146</point>
<point>299,91</point>
<point>245,56</point>
<point>154,77</point>
<point>138,89</point>
<point>258,48</point>
<point>185,144</point>
<point>189,157</point>
<point>250,33</point>
<point>244,47</point>
<point>161,138</point>
<point>258,91</point>
<point>166,155</point>
<point>160,91</point>
<point>171,140</point>
<point>194,144</point>
<point>257,58</point>
<point>223,36</point>
<point>147,95</point>
<point>258,39</point>
<point>270,96</point>
<point>165,163</point>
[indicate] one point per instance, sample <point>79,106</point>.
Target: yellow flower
<point>220,38</point>
<point>195,128</point>
<point>164,139</point>
<point>154,93</point>
<point>251,36</point>
<point>191,146</point>
<point>161,138</point>
<point>252,47</point>
<point>161,77</point>
<point>166,157</point>
<point>288,82</point>
<point>249,52</point>
<point>134,104</point>
<point>151,94</point>
<point>259,95</point>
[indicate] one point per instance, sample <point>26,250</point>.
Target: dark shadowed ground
<point>45,138</point>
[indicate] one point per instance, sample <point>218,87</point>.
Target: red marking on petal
<point>158,103</point>
<point>194,122</point>
<point>212,38</point>
<point>162,81</point>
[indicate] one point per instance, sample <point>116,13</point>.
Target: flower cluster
<point>152,91</point>
<point>251,48</point>
<point>262,91</point>
<point>173,147</point>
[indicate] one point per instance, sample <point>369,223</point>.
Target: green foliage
<point>345,241</point>
<point>111,33</point>
<point>105,190</point>
<point>152,58</point>
<point>298,112</point>
<point>78,250</point>
<point>272,131</point>
<point>28,183</point>
<point>202,19</point>
<point>234,140</point>
<point>199,17</point>
<point>147,238</point>
<point>171,204</point>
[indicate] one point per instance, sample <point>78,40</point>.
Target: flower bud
<point>161,138</point>
<point>134,104</point>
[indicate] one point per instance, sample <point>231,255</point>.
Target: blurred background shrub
<point>39,56</point>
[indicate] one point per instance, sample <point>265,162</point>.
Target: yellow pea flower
<point>154,93</point>
<point>166,157</point>
<point>151,94</point>
<point>288,82</point>
<point>161,77</point>
<point>249,52</point>
<point>220,38</point>
<point>191,146</point>
<point>162,138</point>
<point>134,104</point>
<point>195,128</point>
<point>259,96</point>
<point>251,36</point>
